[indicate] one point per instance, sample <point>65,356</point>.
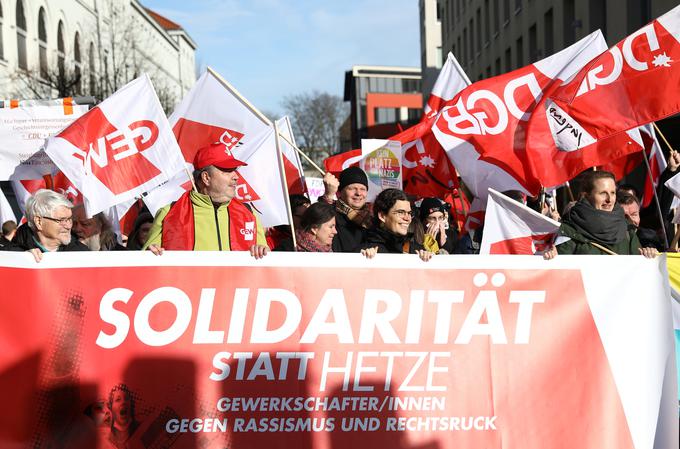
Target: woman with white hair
<point>49,220</point>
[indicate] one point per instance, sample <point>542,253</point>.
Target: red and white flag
<point>119,149</point>
<point>513,228</point>
<point>581,123</point>
<point>489,117</point>
<point>213,111</point>
<point>657,162</point>
<point>295,175</point>
<point>451,80</point>
<point>338,162</point>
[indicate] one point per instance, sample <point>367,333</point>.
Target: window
<point>465,47</point>
<point>21,35</point>
<point>518,6</point>
<point>569,23</point>
<point>508,59</point>
<point>93,80</point>
<point>478,43</point>
<point>496,20</point>
<point>506,12</point>
<point>498,66</point>
<point>598,15</point>
<point>533,44</point>
<point>78,63</point>
<point>2,47</point>
<point>639,13</point>
<point>520,52</point>
<point>487,23</point>
<point>548,38</point>
<point>61,56</point>
<point>42,43</point>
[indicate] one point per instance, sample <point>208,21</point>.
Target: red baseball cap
<point>218,155</point>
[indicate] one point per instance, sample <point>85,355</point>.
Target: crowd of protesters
<point>603,219</point>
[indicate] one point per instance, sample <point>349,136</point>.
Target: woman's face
<point>398,218</point>
<point>143,233</point>
<point>325,232</point>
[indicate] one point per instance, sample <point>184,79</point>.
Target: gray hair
<point>43,203</point>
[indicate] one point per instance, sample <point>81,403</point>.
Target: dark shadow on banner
<point>265,427</point>
<point>355,428</point>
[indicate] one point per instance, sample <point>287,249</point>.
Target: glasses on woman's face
<point>60,221</point>
<point>401,213</point>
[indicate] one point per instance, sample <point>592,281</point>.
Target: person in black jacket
<point>49,219</point>
<point>352,213</point>
<point>392,216</point>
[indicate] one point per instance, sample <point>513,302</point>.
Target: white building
<point>90,47</point>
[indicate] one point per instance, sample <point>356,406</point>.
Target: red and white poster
<point>209,350</point>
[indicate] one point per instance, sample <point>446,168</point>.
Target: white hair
<point>43,203</point>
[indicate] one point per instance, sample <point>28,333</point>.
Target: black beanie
<point>352,175</point>
<point>430,205</point>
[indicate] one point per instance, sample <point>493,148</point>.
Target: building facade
<point>382,99</point>
<point>59,48</point>
<point>431,58</point>
<point>490,37</point>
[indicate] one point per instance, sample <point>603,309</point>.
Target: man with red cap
<point>209,218</point>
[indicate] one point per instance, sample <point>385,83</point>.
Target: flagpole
<point>664,139</point>
<point>656,198</point>
<point>571,194</point>
<point>311,162</point>
<point>191,178</point>
<point>285,185</point>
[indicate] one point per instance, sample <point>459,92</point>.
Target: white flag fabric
<point>213,111</point>
<point>451,80</point>
<point>513,228</point>
<point>295,175</point>
<point>119,149</point>
<point>6,212</point>
<point>24,126</point>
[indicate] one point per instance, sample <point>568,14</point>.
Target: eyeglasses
<point>401,213</point>
<point>60,221</point>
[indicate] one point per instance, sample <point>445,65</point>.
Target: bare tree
<point>316,119</point>
<point>122,43</point>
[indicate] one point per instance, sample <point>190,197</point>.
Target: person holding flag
<point>209,218</point>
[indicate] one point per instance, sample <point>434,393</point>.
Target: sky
<point>268,49</point>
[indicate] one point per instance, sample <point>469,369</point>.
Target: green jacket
<point>579,244</point>
<point>205,225</point>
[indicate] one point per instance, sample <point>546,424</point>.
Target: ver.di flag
<point>119,149</point>
<point>295,174</point>
<point>513,228</point>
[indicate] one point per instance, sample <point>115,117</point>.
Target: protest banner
<point>211,350</point>
<point>23,130</point>
<point>381,160</point>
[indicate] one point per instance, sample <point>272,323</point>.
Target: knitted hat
<point>430,205</point>
<point>352,175</point>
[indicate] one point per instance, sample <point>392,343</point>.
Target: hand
<point>550,253</point>
<point>259,251</point>
<point>369,253</point>
<point>649,253</point>
<point>156,250</point>
<point>37,254</point>
<point>330,185</point>
<point>673,161</point>
<point>424,255</point>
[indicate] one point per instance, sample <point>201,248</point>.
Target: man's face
<point>398,218</point>
<point>121,408</point>
<point>84,227</point>
<point>221,184</point>
<point>603,194</point>
<point>354,195</point>
<point>632,212</point>
<point>51,230</point>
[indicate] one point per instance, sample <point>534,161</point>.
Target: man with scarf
<point>352,213</point>
<point>211,218</point>
<point>596,224</point>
